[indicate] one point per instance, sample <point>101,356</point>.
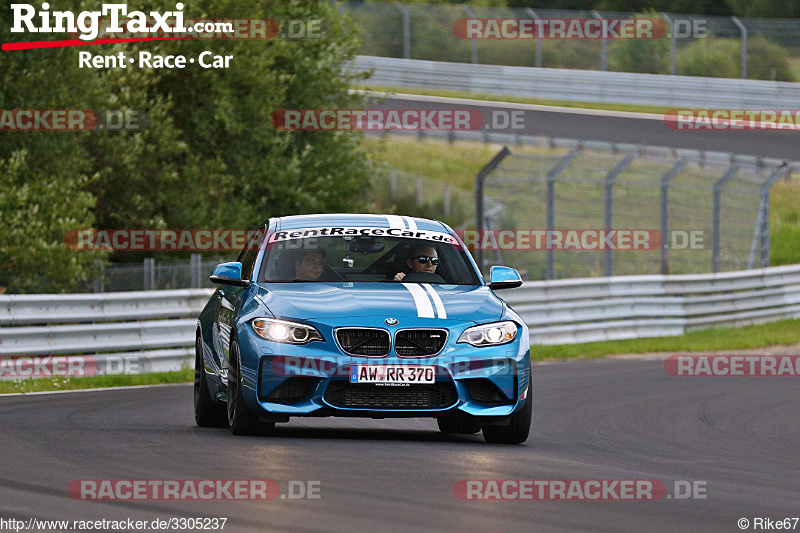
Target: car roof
<point>358,220</point>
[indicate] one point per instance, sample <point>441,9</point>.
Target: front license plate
<point>392,374</point>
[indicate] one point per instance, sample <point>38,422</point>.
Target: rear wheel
<point>461,423</point>
<point>241,420</point>
<point>207,413</point>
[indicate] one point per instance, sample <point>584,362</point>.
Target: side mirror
<point>501,277</point>
<point>229,274</point>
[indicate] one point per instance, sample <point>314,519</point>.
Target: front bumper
<point>314,380</point>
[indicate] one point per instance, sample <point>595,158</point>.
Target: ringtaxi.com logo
<point>577,490</point>
<point>192,489</point>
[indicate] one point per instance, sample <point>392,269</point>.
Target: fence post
<point>479,199</point>
<point>99,282</point>
<point>672,45</point>
<point>474,40</point>
<point>534,16</point>
<point>194,268</point>
<point>406,30</point>
<point>762,225</point>
<point>393,183</point>
<point>717,216</point>
<point>665,180</point>
<point>550,212</point>
<point>744,46</point>
<point>604,46</point>
<point>419,191</point>
<point>609,201</point>
<point>446,200</point>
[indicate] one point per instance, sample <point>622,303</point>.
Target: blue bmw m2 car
<point>361,315</point>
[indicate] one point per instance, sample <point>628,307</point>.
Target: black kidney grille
<point>368,396</point>
<point>362,341</point>
<point>419,342</point>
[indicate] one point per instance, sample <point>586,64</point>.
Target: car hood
<point>388,300</point>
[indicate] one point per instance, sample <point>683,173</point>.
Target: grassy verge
<point>518,99</point>
<point>96,382</point>
<point>781,333</point>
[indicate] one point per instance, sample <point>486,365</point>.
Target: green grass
<point>781,333</point>
<point>95,382</point>
<point>517,99</point>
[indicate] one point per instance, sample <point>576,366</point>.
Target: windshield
<point>365,255</point>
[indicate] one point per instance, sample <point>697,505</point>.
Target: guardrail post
<point>534,16</point>
<point>604,46</point>
<point>550,210</point>
<point>665,180</point>
<point>479,199</point>
<point>762,225</point>
<point>672,45</point>
<point>744,46</point>
<point>406,30</point>
<point>609,201</point>
<point>720,183</point>
<point>471,14</point>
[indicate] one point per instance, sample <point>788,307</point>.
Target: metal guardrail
<point>581,85</point>
<point>626,307</point>
<point>153,328</point>
<point>557,312</point>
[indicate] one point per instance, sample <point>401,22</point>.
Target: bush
<point>649,57</point>
<point>721,58</point>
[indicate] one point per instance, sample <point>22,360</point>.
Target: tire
<point>207,412</point>
<point>463,424</point>
<point>517,430</point>
<point>241,420</point>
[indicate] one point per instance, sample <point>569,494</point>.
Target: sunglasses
<point>423,260</point>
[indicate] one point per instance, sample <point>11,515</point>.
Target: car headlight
<point>490,334</point>
<point>285,331</point>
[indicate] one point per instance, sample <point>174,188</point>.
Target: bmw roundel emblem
<point>391,321</point>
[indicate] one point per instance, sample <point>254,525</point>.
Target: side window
<point>248,256</point>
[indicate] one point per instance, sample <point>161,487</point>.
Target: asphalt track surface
<point>597,419</point>
<point>783,144</point>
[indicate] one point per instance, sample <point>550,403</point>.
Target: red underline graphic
<point>58,44</point>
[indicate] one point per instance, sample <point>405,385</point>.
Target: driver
<point>310,266</point>
<point>423,258</point>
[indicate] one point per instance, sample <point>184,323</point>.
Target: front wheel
<point>518,428</point>
<point>241,420</point>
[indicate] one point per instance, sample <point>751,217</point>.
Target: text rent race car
<point>362,315</point>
